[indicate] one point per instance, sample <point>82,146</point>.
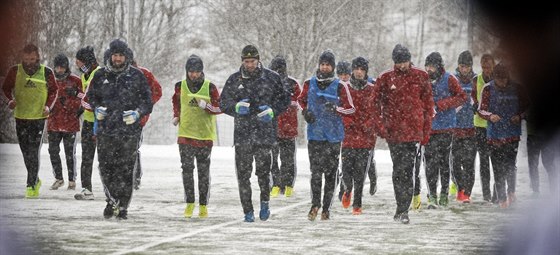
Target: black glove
<point>71,91</point>
<point>80,111</point>
<point>475,108</point>
<point>308,116</point>
<point>330,107</point>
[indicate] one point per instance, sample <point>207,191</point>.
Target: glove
<point>71,91</point>
<point>266,113</point>
<point>100,112</point>
<point>129,117</point>
<point>308,116</point>
<point>242,107</point>
<point>330,107</point>
<point>12,104</point>
<point>475,108</point>
<point>175,121</point>
<point>202,104</point>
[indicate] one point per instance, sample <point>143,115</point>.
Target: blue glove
<point>100,112</point>
<point>242,107</point>
<point>129,117</point>
<point>266,113</point>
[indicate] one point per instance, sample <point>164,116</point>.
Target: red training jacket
<point>404,105</point>
<point>155,87</point>
<point>287,121</point>
<point>359,127</point>
<point>64,114</point>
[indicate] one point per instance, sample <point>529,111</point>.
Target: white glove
<point>100,112</point>
<point>129,117</point>
<point>175,121</point>
<point>202,104</point>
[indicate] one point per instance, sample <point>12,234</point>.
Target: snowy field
<point>56,223</point>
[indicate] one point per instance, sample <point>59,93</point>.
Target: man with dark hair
<point>359,138</point>
<point>87,63</point>
<point>464,144</point>
<point>254,96</point>
<point>64,122</point>
<point>404,108</point>
<point>196,102</point>
<point>503,106</point>
<point>121,96</point>
<point>31,91</point>
<point>284,175</point>
<point>324,100</point>
<point>448,95</point>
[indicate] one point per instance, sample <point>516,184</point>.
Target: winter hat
<point>194,64</point>
<point>130,55</point>
<point>106,56</point>
<point>86,55</point>
<point>501,71</point>
<point>360,62</point>
<point>434,59</point>
<point>327,56</point>
<point>465,58</point>
<point>118,46</point>
<point>250,51</point>
<point>62,61</point>
<point>278,64</point>
<point>343,67</point>
<point>400,54</point>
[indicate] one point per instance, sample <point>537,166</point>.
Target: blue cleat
<point>249,217</point>
<point>265,211</point>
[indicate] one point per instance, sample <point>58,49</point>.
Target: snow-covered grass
<point>56,223</point>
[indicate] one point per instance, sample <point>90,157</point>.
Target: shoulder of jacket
<point>418,70</point>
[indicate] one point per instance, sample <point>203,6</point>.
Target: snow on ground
<point>56,223</point>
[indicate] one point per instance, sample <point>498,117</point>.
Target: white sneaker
<point>57,184</point>
<point>84,195</point>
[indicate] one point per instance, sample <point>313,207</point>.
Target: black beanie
<point>327,56</point>
<point>278,64</point>
<point>400,54</point>
<point>194,64</point>
<point>343,67</point>
<point>360,62</point>
<point>86,55</point>
<point>434,59</point>
<point>106,56</point>
<point>250,51</point>
<point>62,61</point>
<point>465,58</point>
<point>118,46</point>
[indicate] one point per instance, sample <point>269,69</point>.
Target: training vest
<point>443,119</point>
<point>478,121</point>
<point>465,114</point>
<point>328,126</point>
<point>30,93</point>
<point>88,115</point>
<point>504,103</point>
<point>195,122</point>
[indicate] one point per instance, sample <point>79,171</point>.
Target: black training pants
<point>69,142</point>
<point>30,135</point>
